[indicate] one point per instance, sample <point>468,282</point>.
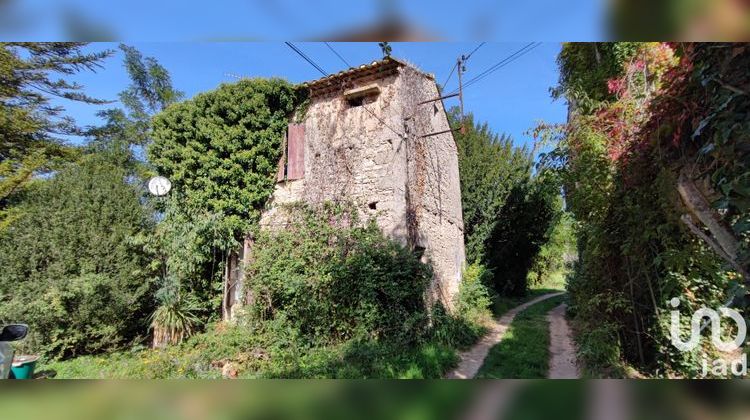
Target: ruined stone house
<point>378,135</point>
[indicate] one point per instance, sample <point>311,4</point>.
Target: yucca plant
<point>175,319</point>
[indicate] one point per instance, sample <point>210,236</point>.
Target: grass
<point>555,282</point>
<point>279,354</point>
<point>524,351</point>
<point>257,354</point>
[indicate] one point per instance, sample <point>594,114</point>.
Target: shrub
<point>473,300</point>
<point>176,317</point>
<point>333,278</point>
<point>72,266</point>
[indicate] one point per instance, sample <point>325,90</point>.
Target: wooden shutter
<point>296,152</point>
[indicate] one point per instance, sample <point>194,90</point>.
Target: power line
<point>464,58</point>
<point>475,50</point>
<point>337,54</point>
<point>502,63</point>
<point>511,58</point>
<point>449,76</point>
<point>308,59</point>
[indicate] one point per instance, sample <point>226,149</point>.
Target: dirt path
<point>562,361</point>
<point>472,359</point>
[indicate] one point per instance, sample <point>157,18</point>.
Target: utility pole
<point>460,65</point>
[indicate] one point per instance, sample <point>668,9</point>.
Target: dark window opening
<point>356,101</point>
<point>373,205</point>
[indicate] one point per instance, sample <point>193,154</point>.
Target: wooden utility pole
<point>460,64</point>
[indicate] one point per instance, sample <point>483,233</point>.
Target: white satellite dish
<point>159,186</point>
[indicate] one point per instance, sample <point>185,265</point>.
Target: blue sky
<point>510,100</point>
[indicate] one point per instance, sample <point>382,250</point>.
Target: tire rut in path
<point>472,359</point>
<point>562,352</point>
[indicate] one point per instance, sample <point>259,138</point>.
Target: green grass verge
<point>524,351</point>
<point>260,355</point>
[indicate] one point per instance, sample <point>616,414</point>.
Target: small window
<point>359,101</point>
<point>361,95</point>
<point>373,205</point>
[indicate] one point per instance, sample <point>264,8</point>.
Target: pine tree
<point>32,128</point>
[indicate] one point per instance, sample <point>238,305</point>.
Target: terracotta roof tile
<point>326,83</point>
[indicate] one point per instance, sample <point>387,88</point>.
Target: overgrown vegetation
<point>96,266</point>
<point>331,297</point>
<point>73,265</point>
<point>333,278</point>
<point>668,134</point>
<point>555,259</point>
<point>220,150</point>
<point>79,266</point>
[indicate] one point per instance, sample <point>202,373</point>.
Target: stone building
<point>378,135</point>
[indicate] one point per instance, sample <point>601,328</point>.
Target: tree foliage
<point>524,223</point>
<point>507,211</point>
<point>73,265</point>
<point>489,167</point>
<point>622,162</point>
<point>221,149</point>
<point>150,92</point>
<point>32,126</point>
<point>583,67</point>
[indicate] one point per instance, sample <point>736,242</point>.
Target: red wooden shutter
<point>296,152</point>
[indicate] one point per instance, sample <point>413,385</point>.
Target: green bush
<point>621,158</point>
<point>73,266</point>
<point>331,298</point>
<point>333,278</point>
<point>473,300</point>
<point>556,256</point>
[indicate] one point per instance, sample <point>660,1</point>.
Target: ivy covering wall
<point>220,150</point>
<point>662,126</point>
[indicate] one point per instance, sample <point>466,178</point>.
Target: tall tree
<point>32,128</point>
<point>490,166</point>
<point>150,92</point>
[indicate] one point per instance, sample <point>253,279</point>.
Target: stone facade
<point>376,136</point>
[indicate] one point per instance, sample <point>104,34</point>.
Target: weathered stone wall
<point>434,189</point>
<point>374,155</point>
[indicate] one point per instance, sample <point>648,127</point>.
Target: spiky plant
<point>175,319</point>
